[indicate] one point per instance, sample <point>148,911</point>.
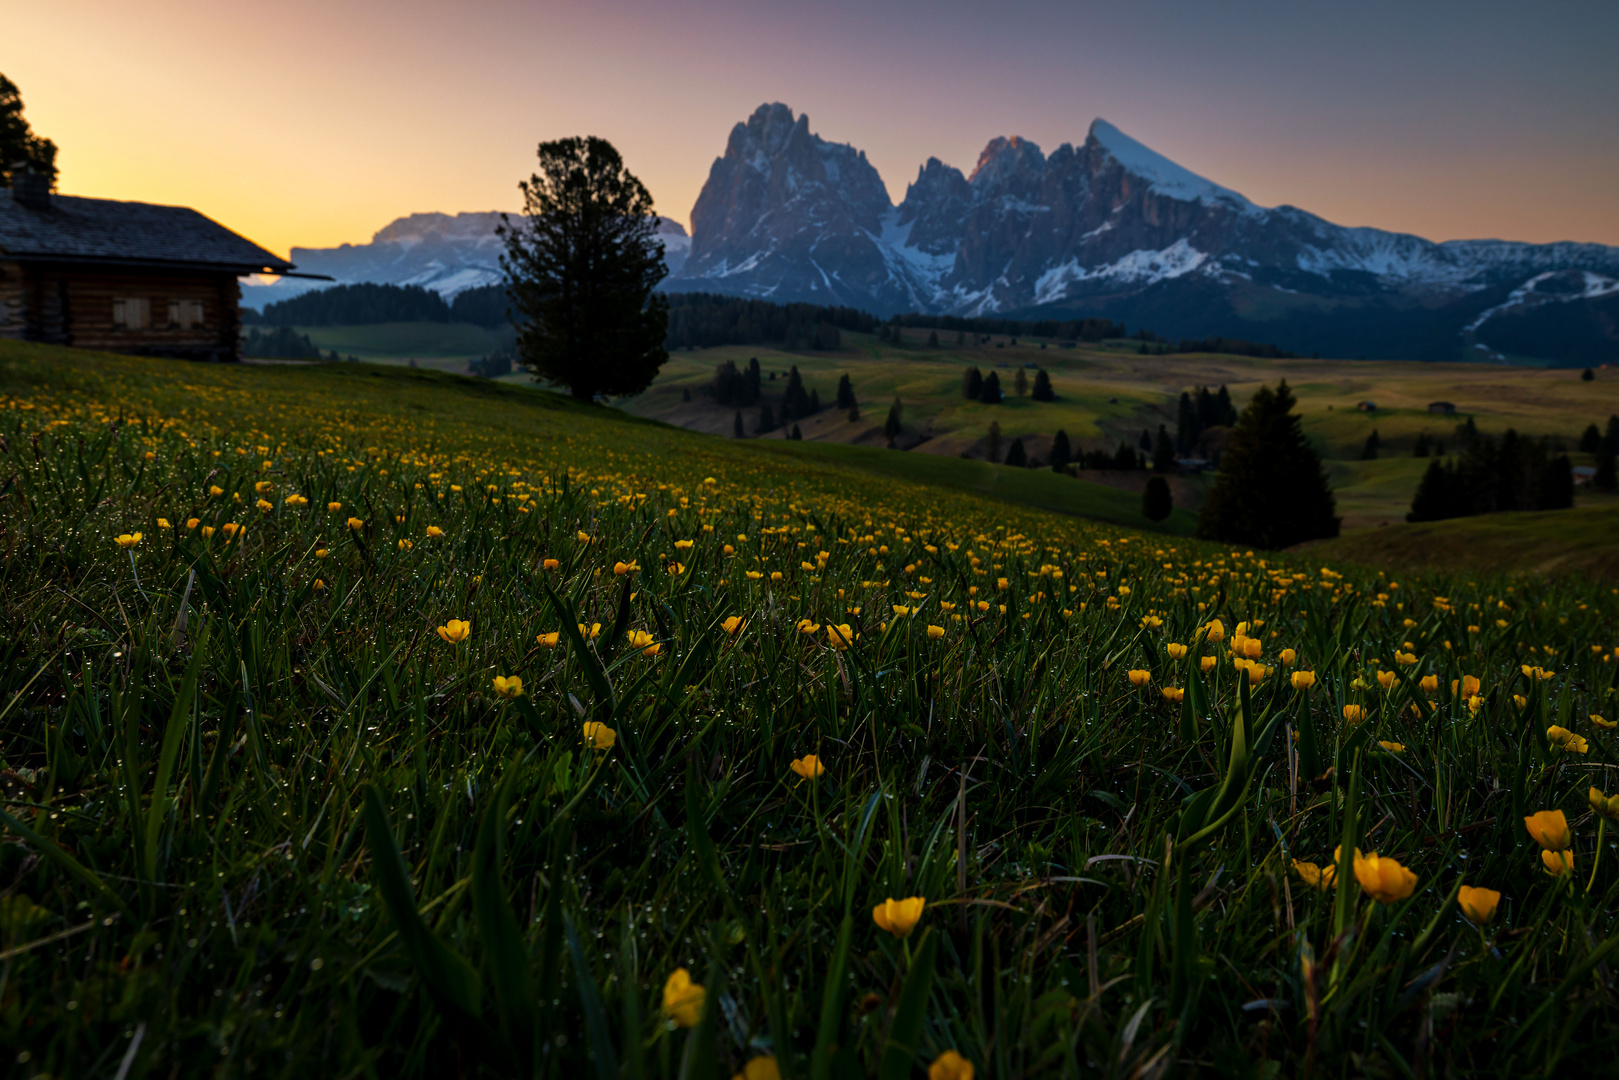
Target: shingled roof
<point>108,231</point>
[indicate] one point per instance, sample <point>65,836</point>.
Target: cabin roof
<point>108,231</point>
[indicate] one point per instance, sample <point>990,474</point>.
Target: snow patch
<point>1163,175</point>
<point>1144,266</point>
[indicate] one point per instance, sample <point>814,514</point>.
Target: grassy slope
<point>1580,541</point>
<point>423,341</point>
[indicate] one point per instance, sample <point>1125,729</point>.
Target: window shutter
<point>175,318</point>
<point>120,313</point>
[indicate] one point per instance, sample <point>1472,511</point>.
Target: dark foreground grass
<point>268,810</point>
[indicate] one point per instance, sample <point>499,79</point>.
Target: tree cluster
<point>1067,329</point>
<point>734,387</point>
<point>1272,491</point>
<point>704,320</point>
<point>367,304</point>
<point>745,387</point>
<point>18,143</point>
<point>280,343</point>
<point>1200,412</point>
<point>976,386</point>
<point>1512,473</point>
<point>1232,347</point>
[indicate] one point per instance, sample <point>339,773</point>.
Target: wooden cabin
<point>126,277</point>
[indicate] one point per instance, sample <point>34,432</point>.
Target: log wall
<point>68,306</point>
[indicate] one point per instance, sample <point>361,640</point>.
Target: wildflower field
<point>381,723</point>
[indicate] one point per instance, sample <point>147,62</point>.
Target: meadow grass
<point>273,807</point>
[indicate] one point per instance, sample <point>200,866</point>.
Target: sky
<point>317,122</point>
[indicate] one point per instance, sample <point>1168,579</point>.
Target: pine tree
<point>845,393</point>
<point>798,436</point>
<point>1556,487</point>
<point>1369,451</point>
<point>18,143</point>
<point>1145,442</point>
<point>767,419</point>
<point>1436,497</point>
<point>1157,501</point>
<point>751,382</point>
<point>736,426</point>
<point>933,340</point>
<point>972,384</point>
<point>815,402</point>
<point>992,448</point>
<point>1606,478</point>
<point>1125,458</point>
<point>1016,455</point>
<point>1587,375</point>
<point>1187,428</point>
<point>1272,491</point>
<point>1227,412</point>
<point>1042,387</point>
<point>1423,446</point>
<point>1163,452</point>
<point>581,267</point>
<point>1611,437</point>
<point>1591,440</point>
<point>892,426</point>
<point>1061,451</point>
<point>1021,383</point>
<point>991,392</point>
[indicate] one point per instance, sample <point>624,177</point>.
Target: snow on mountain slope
<point>1164,175</point>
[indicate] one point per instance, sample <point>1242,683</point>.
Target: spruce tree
<point>992,448</point>
<point>972,384</point>
<point>1272,491</point>
<point>1062,452</point>
<point>1556,487</point>
<point>798,436</point>
<point>1591,440</point>
<point>1606,478</point>
<point>767,419</point>
<point>1163,452</point>
<point>1125,458</point>
<point>1016,455</point>
<point>1611,437</point>
<point>1423,446</point>
<point>1435,499</point>
<point>581,267</point>
<point>1042,387</point>
<point>1021,383</point>
<point>18,143</point>
<point>736,426</point>
<point>1587,375</point>
<point>1157,501</point>
<point>933,340</point>
<point>845,393</point>
<point>751,382</point>
<point>892,425</point>
<point>991,392</point>
<point>1369,451</point>
<point>815,402</point>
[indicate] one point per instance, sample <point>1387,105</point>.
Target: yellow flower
<point>622,568</point>
<point>1252,647</point>
<point>321,553</point>
<point>584,538</point>
<point>551,640</point>
<point>935,632</point>
<point>1173,693</point>
<point>319,584</point>
<point>163,523</point>
<point>1429,684</point>
<point>1607,806</point>
<point>1353,713</point>
<point>1478,905</point>
<point>1562,738</point>
<point>1520,701</point>
<point>214,491</point>
<point>732,624</point>
<point>1474,703</point>
<point>1468,686</point>
<point>753,575</point>
<point>1317,877</point>
<point>1288,656</point>
<point>1207,663</point>
<point>1383,878</point>
<point>901,609</point>
<point>1001,584</point>
<point>599,735</point>
<point>683,999</point>
<point>1256,673</point>
<point>808,626</point>
<point>455,631</point>
<point>207,531</point>
<point>1595,718</point>
<point>1558,863</point>
<point>192,523</point>
<point>809,767</point>
<point>405,545</point>
<point>760,1068</point>
<point>948,1066</point>
<point>1303,680</point>
<point>683,545</point>
<point>1175,650</point>
<point>1385,679</point>
<point>127,540</point>
<point>1139,677</point>
<point>1215,631</point>
<point>509,687</point>
<point>551,564</point>
<point>1391,747</point>
<point>1404,659</point>
<point>434,531</point>
<point>1549,829</point>
<point>262,486</point>
<point>840,635</point>
<point>899,917</point>
<point>334,507</point>
<point>640,639</point>
<point>356,524</point>
<point>591,634</point>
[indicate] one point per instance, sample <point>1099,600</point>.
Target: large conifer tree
<point>1272,491</point>
<point>581,267</point>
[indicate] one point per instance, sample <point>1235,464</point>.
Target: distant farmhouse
<point>121,276</point>
<point>1442,408</point>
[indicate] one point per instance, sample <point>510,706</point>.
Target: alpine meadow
<point>362,721</point>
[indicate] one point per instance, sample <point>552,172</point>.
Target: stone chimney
<point>29,188</point>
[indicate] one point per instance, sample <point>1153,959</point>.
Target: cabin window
<point>131,313</point>
<point>185,314</point>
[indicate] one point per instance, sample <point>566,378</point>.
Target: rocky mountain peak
<point>1006,160</point>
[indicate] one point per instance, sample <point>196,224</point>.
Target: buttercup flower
<point>455,631</point>
<point>1605,805</point>
<point>1558,863</point>
<point>1477,904</point>
<point>599,735</point>
<point>1549,829</point>
<point>683,999</point>
<point>760,1068</point>
<point>592,633</point>
<point>1385,679</point>
<point>899,917</point>
<point>839,635</point>
<point>509,687</point>
<point>1172,693</point>
<point>732,624</point>
<point>935,632</point>
<point>1429,684</point>
<point>163,523</point>
<point>809,767</point>
<point>1207,662</point>
<point>1287,657</point>
<point>1601,723</point>
<point>1562,738</point>
<point>1354,714</point>
<point>622,568</point>
<point>334,507</point>
<point>949,1066</point>
<point>127,540</point>
<point>1175,651</point>
<point>434,531</point>
<point>550,640</point>
<point>1317,877</point>
<point>1138,677</point>
<point>1383,878</point>
<point>1303,680</point>
<point>640,639</point>
<point>356,524</point>
<point>551,564</point>
<point>1392,747</point>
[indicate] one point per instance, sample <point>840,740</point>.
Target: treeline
<point>367,304</point>
<point>704,320</point>
<point>1064,329</point>
<point>1231,346</point>
<point>986,389</point>
<point>1198,413</point>
<point>745,387</point>
<point>1491,476</point>
<point>283,343</point>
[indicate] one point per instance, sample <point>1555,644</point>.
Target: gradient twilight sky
<point>314,122</point>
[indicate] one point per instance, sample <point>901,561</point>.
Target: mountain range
<point>1112,228</point>
<point>447,253</point>
<point>1106,228</point>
